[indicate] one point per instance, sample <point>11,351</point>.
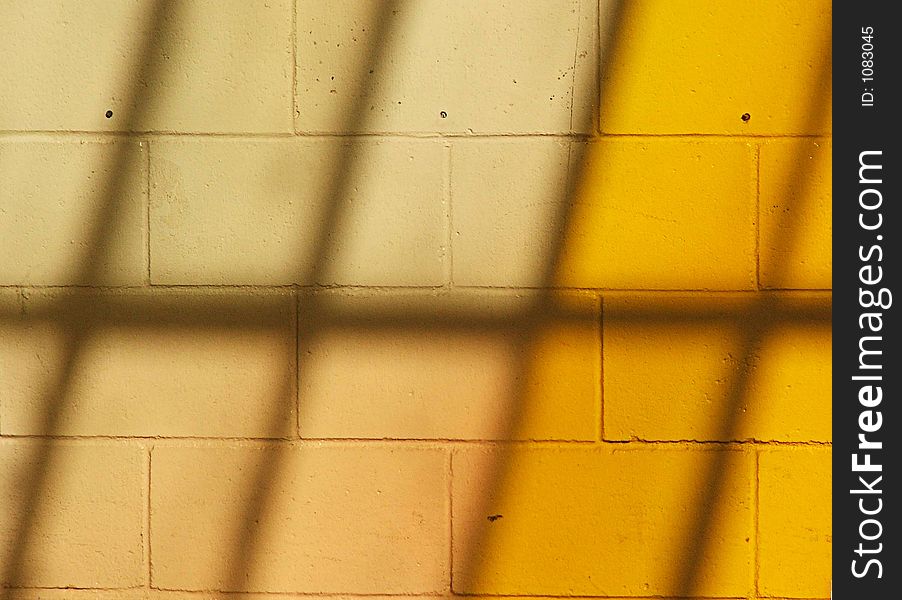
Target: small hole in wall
<point>443,115</point>
<point>746,117</point>
<point>109,114</point>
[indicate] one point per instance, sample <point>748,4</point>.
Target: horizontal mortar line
<point>205,593</point>
<point>138,133</point>
<point>425,443</point>
<point>355,287</point>
<point>144,287</point>
<point>621,597</point>
<point>795,289</point>
<point>448,290</point>
<point>223,286</point>
<point>456,441</point>
<point>142,438</point>
<point>749,290</point>
<point>303,287</point>
<point>736,136</point>
<point>500,596</point>
<point>163,592</point>
<point>74,588</point>
<point>566,136</point>
<point>439,135</point>
<point>476,595</point>
<point>615,597</point>
<point>748,442</point>
<point>750,294</point>
<point>301,441</point>
<point>326,135</point>
<point>156,592</point>
<point>437,595</point>
<point>442,292</point>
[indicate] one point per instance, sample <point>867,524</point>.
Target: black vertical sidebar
<point>867,372</point>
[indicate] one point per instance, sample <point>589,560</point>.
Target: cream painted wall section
<point>430,298</point>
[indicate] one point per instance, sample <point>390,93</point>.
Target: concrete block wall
<point>421,298</point>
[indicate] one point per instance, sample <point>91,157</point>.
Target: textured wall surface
<point>428,297</point>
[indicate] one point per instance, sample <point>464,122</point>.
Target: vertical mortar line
<point>296,371</point>
<point>573,79</point>
<point>756,498</point>
<point>449,216</point>
<point>758,216</point>
<point>148,582</point>
<point>450,488</point>
<point>600,383</point>
<point>20,302</point>
<point>294,66</point>
<point>147,210</point>
<point>595,119</point>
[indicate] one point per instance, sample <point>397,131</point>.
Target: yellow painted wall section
<point>427,298</point>
<point>698,66</point>
<point>685,368</point>
<point>599,522</point>
<point>663,215</point>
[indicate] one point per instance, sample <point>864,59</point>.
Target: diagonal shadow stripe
<point>147,67</point>
<point>540,313</point>
<point>756,326</point>
<point>760,317</point>
<point>245,539</point>
<point>160,308</point>
<point>313,311</point>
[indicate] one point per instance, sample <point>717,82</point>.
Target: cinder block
<point>151,364</point>
<point>644,214</point>
<point>153,594</point>
<point>84,526</point>
<point>436,66</point>
<point>330,519</point>
<point>462,366</point>
<point>661,214</point>
<point>507,197</point>
<point>796,204</point>
<point>691,66</point>
<point>74,211</point>
<point>795,522</point>
<point>685,367</point>
<point>201,66</point>
<point>76,594</point>
<point>599,522</point>
<point>295,211</point>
